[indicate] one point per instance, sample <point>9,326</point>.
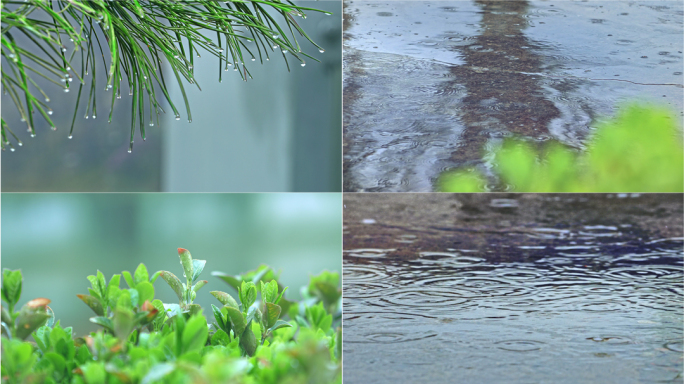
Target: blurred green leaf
<point>145,291</point>
<point>174,282</point>
<point>237,320</point>
<point>93,303</point>
<point>11,286</point>
<point>225,299</point>
<point>197,268</point>
<point>140,275</point>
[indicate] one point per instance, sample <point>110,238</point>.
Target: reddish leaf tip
<point>181,250</point>
<point>39,302</point>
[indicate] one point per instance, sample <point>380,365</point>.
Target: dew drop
<point>47,100</point>
<point>189,120</point>
<point>328,13</point>
<point>109,86</point>
<point>50,112</point>
<point>70,137</point>
<point>66,90</point>
<point>285,51</point>
<point>275,36</point>
<point>253,59</point>
<point>53,128</point>
<point>20,143</point>
<point>22,119</point>
<point>62,80</point>
<point>303,64</point>
<point>189,67</point>
<point>151,124</point>
<point>321,50</point>
<point>130,150</point>
<point>12,149</point>
<point>94,116</point>
<point>33,135</point>
<point>86,116</point>
<point>176,56</point>
<point>71,79</point>
<point>177,117</point>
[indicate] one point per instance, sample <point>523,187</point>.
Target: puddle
<point>430,86</point>
<point>480,297</point>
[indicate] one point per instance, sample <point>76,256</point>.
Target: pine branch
<point>134,40</point>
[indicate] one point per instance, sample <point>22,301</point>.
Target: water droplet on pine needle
<point>66,90</point>
<point>12,149</point>
<point>70,137</point>
<point>177,117</point>
<point>303,64</point>
<point>49,112</point>
<point>321,50</point>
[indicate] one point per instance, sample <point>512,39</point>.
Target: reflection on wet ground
<point>516,288</point>
<point>431,86</point>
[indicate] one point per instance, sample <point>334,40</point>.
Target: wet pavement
<point>431,86</point>
<point>497,288</point>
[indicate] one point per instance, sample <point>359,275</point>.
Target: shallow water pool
<point>519,289</point>
<point>431,86</point>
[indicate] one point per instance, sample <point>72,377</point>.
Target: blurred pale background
<point>279,132</point>
<point>59,239</point>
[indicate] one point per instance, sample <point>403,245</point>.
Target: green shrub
<point>143,340</point>
<point>640,150</point>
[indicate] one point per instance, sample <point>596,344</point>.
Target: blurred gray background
<point>279,132</point>
<point>59,239</point>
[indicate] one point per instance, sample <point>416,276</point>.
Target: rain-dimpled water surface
<point>516,289</point>
<point>431,86</point>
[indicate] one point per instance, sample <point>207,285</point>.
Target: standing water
<point>431,86</point>
<point>515,289</point>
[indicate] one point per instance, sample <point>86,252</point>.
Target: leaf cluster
<point>640,150</point>
<point>145,341</point>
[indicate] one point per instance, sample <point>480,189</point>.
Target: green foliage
<point>186,292</point>
<point>139,38</point>
<point>248,342</point>
<point>640,150</point>
<point>35,313</point>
